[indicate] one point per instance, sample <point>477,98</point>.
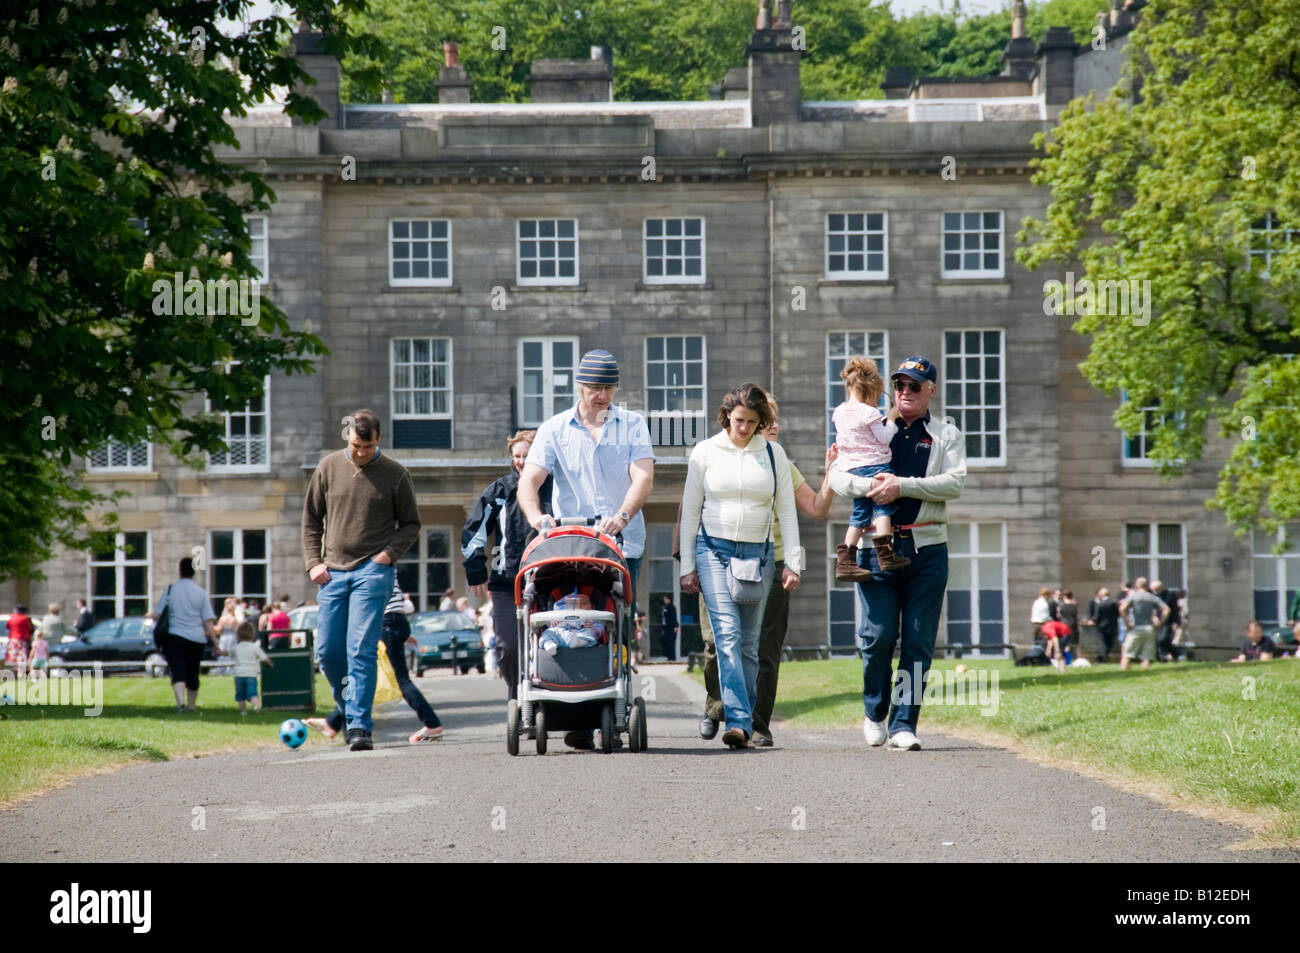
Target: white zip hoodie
<point>730,489</point>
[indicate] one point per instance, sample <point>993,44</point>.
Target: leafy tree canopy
<point>1195,187</point>
<point>110,116</point>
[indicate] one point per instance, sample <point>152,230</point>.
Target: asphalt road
<point>816,796</point>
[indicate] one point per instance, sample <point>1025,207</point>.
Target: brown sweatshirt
<point>358,512</point>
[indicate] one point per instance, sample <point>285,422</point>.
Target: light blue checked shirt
<point>591,479</point>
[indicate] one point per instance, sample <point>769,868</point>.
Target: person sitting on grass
<point>249,657</point>
<point>1257,646</point>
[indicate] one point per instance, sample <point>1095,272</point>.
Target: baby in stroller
<point>573,633</point>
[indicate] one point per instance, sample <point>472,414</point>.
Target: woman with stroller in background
<point>733,483</point>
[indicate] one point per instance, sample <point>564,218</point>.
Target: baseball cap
<point>918,368</point>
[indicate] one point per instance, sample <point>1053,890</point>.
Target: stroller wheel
<point>512,727</point>
<point>607,728</point>
<point>540,721</point>
<point>636,731</point>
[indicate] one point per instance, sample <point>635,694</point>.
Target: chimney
<point>322,66</point>
<point>773,80</point>
<point>897,83</point>
<point>453,83</point>
<point>1018,57</point>
<point>1056,75</point>
<point>574,81</point>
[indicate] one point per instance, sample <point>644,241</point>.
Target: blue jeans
<point>866,510</point>
<point>349,613</point>
<point>396,629</point>
<point>736,628</point>
<point>914,594</point>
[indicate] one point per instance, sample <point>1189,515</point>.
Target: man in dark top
<point>928,459</point>
<point>1257,646</point>
<point>85,618</point>
<point>668,624</point>
<point>1103,612</point>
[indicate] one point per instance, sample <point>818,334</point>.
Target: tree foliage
<point>1169,189</point>
<point>110,115</point>
<point>674,52</point>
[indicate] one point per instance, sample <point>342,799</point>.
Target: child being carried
<point>863,436</point>
<point>572,633</point>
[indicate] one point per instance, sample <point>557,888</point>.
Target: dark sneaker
<point>582,740</point>
<point>761,740</point>
<point>708,728</point>
<point>359,740</point>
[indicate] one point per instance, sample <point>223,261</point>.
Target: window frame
<point>239,561</point>
<point>973,555</point>
<point>1280,586</point>
<point>263,261</point>
<point>147,467</point>
<point>1153,557</point>
<point>682,279</point>
<point>833,382</point>
<point>972,461</point>
<point>960,274</point>
<point>548,374</point>
<point>430,282</point>
<point>866,274</point>
<point>1269,229</point>
<point>655,419</point>
<point>557,280</point>
<point>392,379</point>
<point>418,555</point>
<point>120,563</point>
<point>237,468</point>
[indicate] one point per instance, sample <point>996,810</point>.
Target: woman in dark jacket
<point>493,570</point>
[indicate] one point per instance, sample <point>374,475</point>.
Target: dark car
<point>113,640</point>
<point>434,632</point>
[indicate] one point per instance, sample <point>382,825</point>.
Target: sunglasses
<point>913,386</point>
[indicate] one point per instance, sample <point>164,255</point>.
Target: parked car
<point>127,639</point>
<point>434,632</point>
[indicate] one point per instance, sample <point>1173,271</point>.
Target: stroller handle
<point>584,521</point>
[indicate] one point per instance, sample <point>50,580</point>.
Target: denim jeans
<point>866,510</point>
<point>736,628</point>
<point>349,613</point>
<point>914,595</point>
<point>396,630</point>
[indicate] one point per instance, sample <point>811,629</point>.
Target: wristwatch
<point>625,517</point>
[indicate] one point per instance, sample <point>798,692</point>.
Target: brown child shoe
<point>885,555</point>
<point>846,566</point>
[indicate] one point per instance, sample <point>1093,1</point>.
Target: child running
<point>249,658</point>
<point>862,436</point>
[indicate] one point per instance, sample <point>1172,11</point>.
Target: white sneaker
<point>874,732</point>
<point>905,741</point>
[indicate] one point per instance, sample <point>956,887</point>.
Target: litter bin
<point>289,682</point>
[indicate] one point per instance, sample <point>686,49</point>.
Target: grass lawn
<point>41,747</point>
<point>1222,740</point>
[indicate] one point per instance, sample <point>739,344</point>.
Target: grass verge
<point>42,747</point>
<point>1218,740</point>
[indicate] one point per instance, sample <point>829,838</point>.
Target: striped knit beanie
<point>598,369</point>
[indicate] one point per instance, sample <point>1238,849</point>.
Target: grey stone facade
<point>763,170</point>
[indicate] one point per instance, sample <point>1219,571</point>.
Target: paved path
<point>818,796</point>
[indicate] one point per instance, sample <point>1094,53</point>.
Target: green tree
<point>1173,189</point>
<point>109,119</point>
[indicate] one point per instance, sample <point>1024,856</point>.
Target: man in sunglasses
<point>928,460</point>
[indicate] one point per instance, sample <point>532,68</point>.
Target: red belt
<point>915,525</point>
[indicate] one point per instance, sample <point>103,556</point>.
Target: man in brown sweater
<point>358,519</point>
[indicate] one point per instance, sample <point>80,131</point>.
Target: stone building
<point>458,258</point>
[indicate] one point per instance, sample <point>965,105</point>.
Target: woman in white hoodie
<point>735,481</point>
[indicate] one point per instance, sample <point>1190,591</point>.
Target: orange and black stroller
<point>575,688</point>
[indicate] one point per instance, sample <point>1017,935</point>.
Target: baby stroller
<point>576,688</point>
